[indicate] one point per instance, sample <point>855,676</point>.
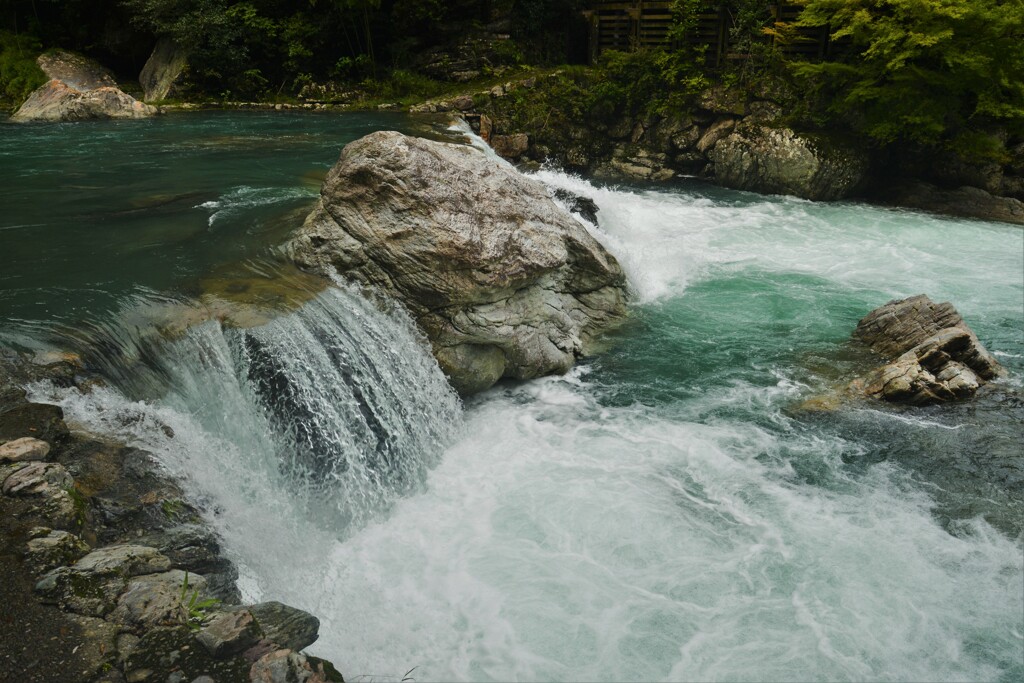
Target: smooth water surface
<point>663,512</point>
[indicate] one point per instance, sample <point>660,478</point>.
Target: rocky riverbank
<point>109,573</point>
<point>743,140</point>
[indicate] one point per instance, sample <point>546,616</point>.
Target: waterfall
<point>333,410</point>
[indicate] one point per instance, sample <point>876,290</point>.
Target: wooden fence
<point>628,25</point>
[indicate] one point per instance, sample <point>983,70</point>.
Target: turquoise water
<point>663,512</point>
<point>92,211</point>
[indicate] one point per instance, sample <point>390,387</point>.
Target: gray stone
<point>162,70</point>
<point>24,449</point>
<point>76,71</point>
<point>686,138</point>
<point>495,273</point>
<point>92,586</point>
<point>123,560</point>
<point>38,479</point>
<point>714,133</point>
<point>158,600</point>
<point>635,162</point>
<point>90,595</point>
<point>227,633</point>
<point>780,161</point>
<point>55,549</point>
<point>969,202</point>
<point>763,112</point>
<point>722,99</point>
<point>286,666</point>
<point>286,626</point>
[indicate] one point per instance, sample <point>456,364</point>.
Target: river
<point>662,512</point>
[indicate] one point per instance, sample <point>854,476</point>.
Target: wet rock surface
<point>107,586</point>
<point>504,282</point>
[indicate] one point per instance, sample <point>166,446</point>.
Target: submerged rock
<point>577,203</point>
<point>934,357</point>
<point>504,282</point>
<point>781,161</point>
<point>78,89</point>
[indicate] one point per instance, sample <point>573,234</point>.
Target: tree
<point>927,71</point>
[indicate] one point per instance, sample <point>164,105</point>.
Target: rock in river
<point>503,281</point>
<point>933,356</point>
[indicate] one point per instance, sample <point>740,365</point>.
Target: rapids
<point>660,513</point>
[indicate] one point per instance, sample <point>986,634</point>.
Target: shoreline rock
<point>123,581</point>
<point>503,281</point>
<point>78,90</point>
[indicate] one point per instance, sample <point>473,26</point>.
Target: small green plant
<point>194,610</point>
<point>172,509</point>
<point>81,505</point>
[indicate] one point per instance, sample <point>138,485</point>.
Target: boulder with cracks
<point>933,357</point>
<point>503,281</point>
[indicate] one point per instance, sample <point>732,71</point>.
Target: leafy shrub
<point>19,73</point>
<point>930,72</point>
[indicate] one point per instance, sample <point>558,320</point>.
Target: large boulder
<point>781,161</point>
<point>503,281</point>
<point>162,70</point>
<point>78,90</point>
<point>933,356</point>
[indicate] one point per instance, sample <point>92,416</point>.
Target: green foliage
<point>193,610</point>
<point>401,86</point>
<point>927,71</point>
<point>19,73</point>
<point>645,82</point>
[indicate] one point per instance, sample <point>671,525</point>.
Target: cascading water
<point>659,513</point>
<point>318,419</point>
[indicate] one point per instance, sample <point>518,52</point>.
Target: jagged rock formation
<point>933,356</point>
<point>503,281</point>
<point>78,89</point>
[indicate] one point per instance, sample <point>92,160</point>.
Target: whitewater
<point>661,512</point>
<point>655,514</point>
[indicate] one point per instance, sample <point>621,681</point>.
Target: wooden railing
<point>628,25</point>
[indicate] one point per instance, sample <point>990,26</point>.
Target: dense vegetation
<point>259,48</point>
<point>939,72</point>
